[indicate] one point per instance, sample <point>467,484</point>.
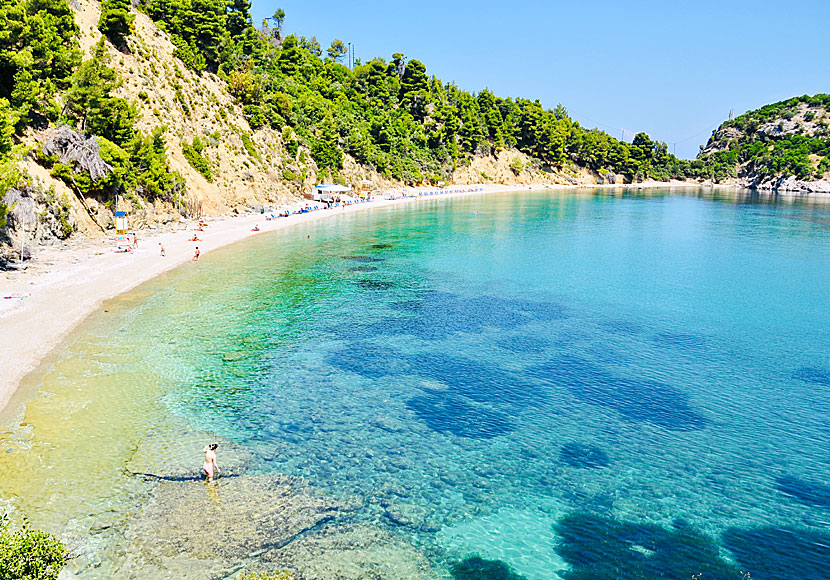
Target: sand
<point>65,285</point>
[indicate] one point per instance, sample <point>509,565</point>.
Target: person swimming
<point>210,461</point>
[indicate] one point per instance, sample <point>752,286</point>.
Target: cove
<point>488,383</point>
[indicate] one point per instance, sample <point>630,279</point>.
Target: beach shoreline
<point>52,301</point>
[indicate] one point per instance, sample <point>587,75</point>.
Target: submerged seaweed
<point>636,400</point>
<point>578,454</point>
<point>368,360</point>
<point>815,375</point>
<point>358,258</point>
<point>775,553</point>
<point>805,492</point>
<point>363,269</point>
<point>523,344</point>
<point>476,568</point>
<point>599,548</point>
<point>448,413</point>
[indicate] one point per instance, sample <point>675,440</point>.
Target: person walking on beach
<point>210,465</point>
<point>135,240</point>
<point>161,247</point>
<point>196,255</point>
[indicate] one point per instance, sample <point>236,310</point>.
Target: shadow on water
<point>636,400</point>
<point>178,478</point>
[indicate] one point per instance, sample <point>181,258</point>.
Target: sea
<point>572,385</point>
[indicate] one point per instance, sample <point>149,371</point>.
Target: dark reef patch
<point>774,553</point>
<point>621,327</point>
<point>381,246</point>
<point>436,315</point>
<point>805,492</point>
<point>582,455</point>
<point>448,413</point>
<point>814,375</point>
<point>540,310</point>
<point>479,381</point>
<point>363,269</point>
<point>680,339</point>
<point>635,399</point>
<point>374,284</point>
<point>476,568</point>
<point>368,360</point>
<point>599,548</point>
<point>526,344</point>
<point>357,258</point>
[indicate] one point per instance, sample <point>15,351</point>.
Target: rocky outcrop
<point>35,218</point>
<point>794,185</point>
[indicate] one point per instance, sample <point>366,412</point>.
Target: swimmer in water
<point>210,461</point>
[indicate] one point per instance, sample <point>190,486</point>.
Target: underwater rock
<point>815,375</point>
<point>523,344</point>
<point>637,400</point>
<point>597,547</point>
<point>476,568</point>
<point>582,455</point>
<point>368,360</point>
<point>776,553</point>
<point>198,530</point>
<point>366,259</point>
<point>408,515</point>
<point>680,339</point>
<point>447,413</point>
<point>363,269</point>
<point>356,552</point>
<point>805,492</point>
<point>374,284</point>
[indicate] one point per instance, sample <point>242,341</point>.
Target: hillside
<point>784,146</point>
<point>183,107</point>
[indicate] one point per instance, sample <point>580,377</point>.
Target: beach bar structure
<point>365,189</point>
<point>330,192</point>
<point>121,222</point>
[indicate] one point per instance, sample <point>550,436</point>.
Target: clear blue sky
<point>672,68</point>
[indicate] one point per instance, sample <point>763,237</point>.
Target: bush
<point>29,554</point>
<point>116,22</point>
<point>193,153</point>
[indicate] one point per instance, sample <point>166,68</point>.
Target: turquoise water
<point>581,385</point>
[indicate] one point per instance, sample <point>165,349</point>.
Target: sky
<point>671,68</point>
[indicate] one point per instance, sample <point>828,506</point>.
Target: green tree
<point>337,50</point>
<point>89,100</point>
<point>38,52</point>
<point>116,22</point>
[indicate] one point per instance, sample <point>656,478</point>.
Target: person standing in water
<point>210,461</point>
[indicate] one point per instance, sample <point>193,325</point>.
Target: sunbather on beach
<point>210,461</point>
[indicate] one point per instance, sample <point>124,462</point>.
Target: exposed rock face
<point>800,117</point>
<point>35,218</point>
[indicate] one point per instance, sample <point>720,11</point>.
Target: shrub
<point>193,153</point>
<point>29,554</point>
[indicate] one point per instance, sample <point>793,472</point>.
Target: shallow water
<point>554,380</point>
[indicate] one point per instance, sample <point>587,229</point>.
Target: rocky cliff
<point>784,146</point>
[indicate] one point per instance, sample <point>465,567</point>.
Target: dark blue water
<point>577,385</point>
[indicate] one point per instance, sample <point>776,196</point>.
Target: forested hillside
<point>785,145</point>
<point>184,106</point>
